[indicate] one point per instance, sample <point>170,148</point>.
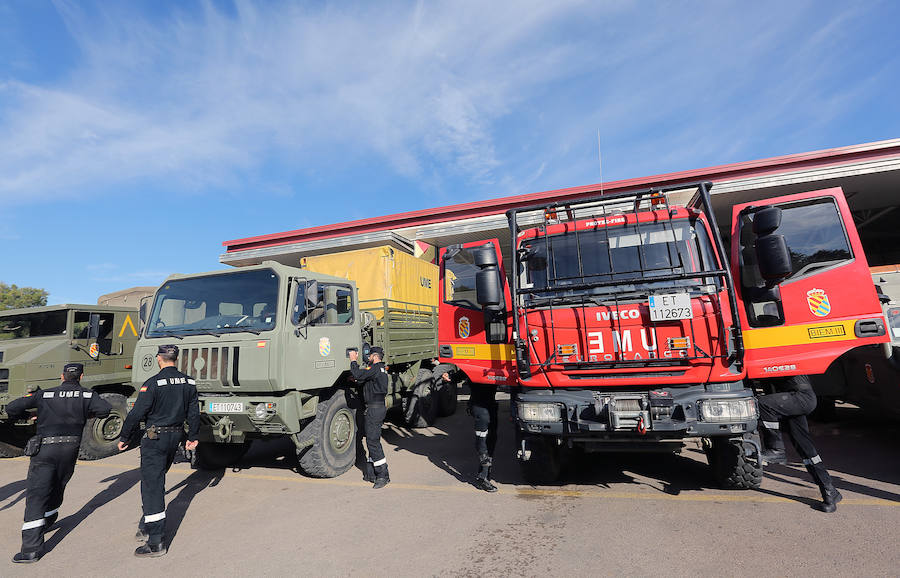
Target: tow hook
<point>641,428</point>
<point>224,428</point>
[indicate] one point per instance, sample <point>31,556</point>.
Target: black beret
<point>378,351</point>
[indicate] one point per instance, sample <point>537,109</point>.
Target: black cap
<point>73,368</point>
<point>378,351</point>
<point>167,350</point>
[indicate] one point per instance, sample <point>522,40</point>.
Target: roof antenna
<point>600,159</point>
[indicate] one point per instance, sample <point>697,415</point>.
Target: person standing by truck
<point>61,414</point>
<point>792,400</point>
<point>165,401</point>
<point>483,407</point>
<point>374,383</point>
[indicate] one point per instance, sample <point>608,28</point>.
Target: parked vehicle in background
<point>625,327</point>
<point>35,344</point>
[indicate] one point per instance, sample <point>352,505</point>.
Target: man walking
<point>165,402</point>
<point>61,414</point>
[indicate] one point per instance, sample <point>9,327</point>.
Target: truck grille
<point>219,364</point>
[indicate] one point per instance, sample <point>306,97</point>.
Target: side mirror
<point>487,287</point>
<point>774,258</point>
<point>766,220</point>
<point>94,327</point>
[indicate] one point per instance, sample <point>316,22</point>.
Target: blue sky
<point>135,137</point>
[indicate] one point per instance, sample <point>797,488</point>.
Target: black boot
<point>27,557</point>
<point>483,479</point>
<point>774,457</point>
<point>369,473</point>
<point>830,495</point>
<point>382,478</point>
<point>150,550</point>
<point>141,535</point>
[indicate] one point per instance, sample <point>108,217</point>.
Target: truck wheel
<point>333,432</point>
<point>447,395</point>
<point>215,456</point>
<point>101,435</point>
<point>421,406</point>
<point>543,464</point>
<point>732,468</point>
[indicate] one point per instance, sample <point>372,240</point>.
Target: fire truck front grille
<point>211,364</point>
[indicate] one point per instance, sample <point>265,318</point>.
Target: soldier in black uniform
<point>61,414</point>
<point>165,402</point>
<point>793,399</point>
<point>374,382</point>
<point>483,407</point>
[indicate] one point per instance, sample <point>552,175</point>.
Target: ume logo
<point>425,282</point>
<point>615,315</point>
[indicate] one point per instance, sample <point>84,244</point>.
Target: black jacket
<point>374,381</point>
<point>62,410</point>
<point>166,399</point>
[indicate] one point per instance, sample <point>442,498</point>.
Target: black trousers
<point>485,415</point>
<point>788,410</point>
<point>156,459</point>
<point>48,473</point>
<point>374,419</point>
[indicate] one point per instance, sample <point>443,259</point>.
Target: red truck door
<point>461,332</point>
<point>823,305</point>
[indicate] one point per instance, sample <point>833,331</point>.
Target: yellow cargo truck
<point>389,280</point>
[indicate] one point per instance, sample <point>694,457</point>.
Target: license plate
<point>225,407</point>
<point>670,306</point>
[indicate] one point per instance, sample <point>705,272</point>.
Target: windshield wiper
<point>204,332</point>
<point>170,335</point>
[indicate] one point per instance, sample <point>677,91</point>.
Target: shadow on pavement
<point>279,452</point>
<point>121,483</point>
<point>191,486</point>
<point>11,489</point>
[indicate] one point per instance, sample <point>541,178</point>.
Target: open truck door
<point>803,283</point>
<point>475,330</point>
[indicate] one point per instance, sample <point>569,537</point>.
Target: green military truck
<point>35,344</point>
<point>267,346</point>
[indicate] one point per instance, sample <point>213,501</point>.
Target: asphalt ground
<point>613,514</point>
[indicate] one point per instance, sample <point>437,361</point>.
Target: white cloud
<point>210,98</point>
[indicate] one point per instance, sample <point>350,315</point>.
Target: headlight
<point>261,410</point>
<point>728,410</point>
<point>539,411</point>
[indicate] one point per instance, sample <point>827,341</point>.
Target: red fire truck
<point>622,324</point>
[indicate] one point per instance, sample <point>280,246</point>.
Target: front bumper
<point>666,413</point>
<point>222,421</point>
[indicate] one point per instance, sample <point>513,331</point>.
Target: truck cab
<point>35,344</point>
<point>628,330</point>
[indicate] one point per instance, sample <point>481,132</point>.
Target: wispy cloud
<point>499,95</point>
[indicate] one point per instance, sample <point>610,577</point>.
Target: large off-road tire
<point>421,407</point>
<point>215,456</point>
<point>447,391</point>
<point>333,437</point>
<point>100,437</point>
<point>732,468</point>
<point>544,464</point>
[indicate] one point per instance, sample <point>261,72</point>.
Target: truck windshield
<point>45,324</point>
<point>215,304</point>
<point>627,256</point>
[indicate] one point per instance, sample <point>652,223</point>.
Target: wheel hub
<point>341,430</point>
<point>109,428</point>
